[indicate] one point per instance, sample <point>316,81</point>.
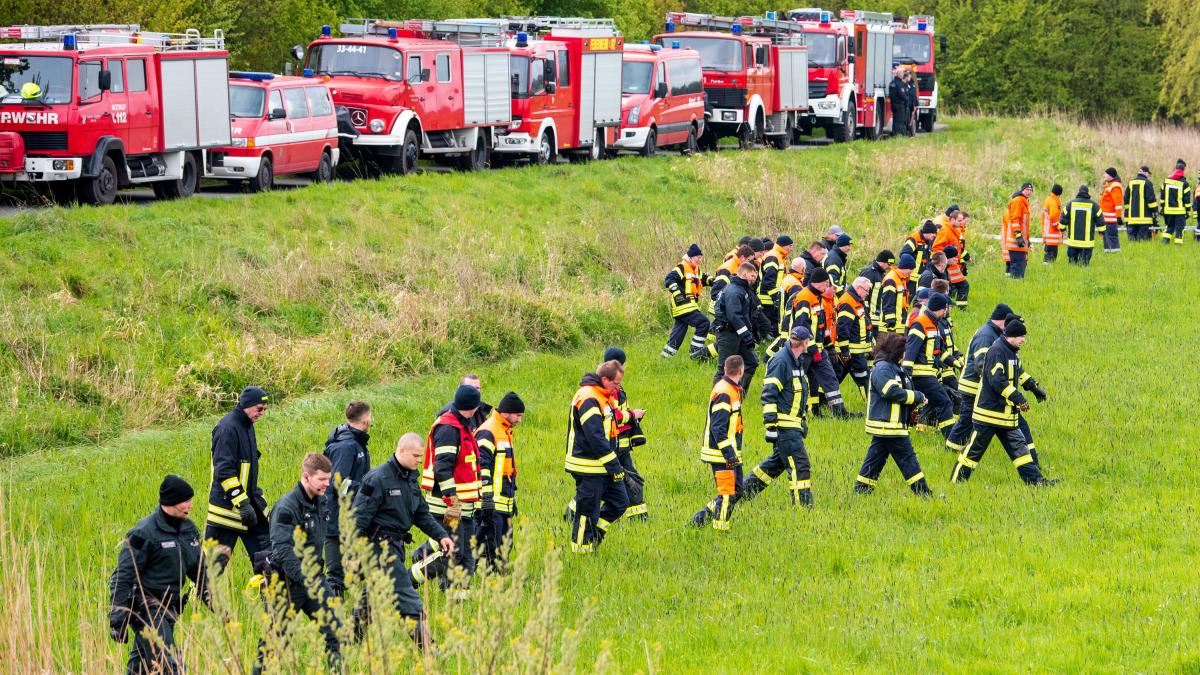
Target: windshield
<point>52,75</point>
<point>360,60</point>
<point>912,48</point>
<point>715,53</point>
<point>520,76</point>
<point>246,101</point>
<point>822,50</point>
<point>635,77</point>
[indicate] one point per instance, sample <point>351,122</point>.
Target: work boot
<point>1045,482</point>
<point>751,487</point>
<point>805,498</point>
<point>840,412</point>
<point>701,517</point>
<point>921,488</point>
<point>569,513</point>
<point>667,352</point>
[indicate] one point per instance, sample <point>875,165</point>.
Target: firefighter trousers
<point>1173,228</point>
<point>960,433</point>
<point>900,449</point>
<point>720,509</point>
<point>1049,253</point>
<point>429,562</point>
<point>823,380</point>
<point>1079,256</point>
<point>493,530</point>
<point>693,319</point>
<point>1138,231</point>
<point>255,539</point>
<point>788,454</point>
<point>1017,262</point>
<point>959,293</point>
<point>941,408</point>
<point>1014,444</point>
<point>634,485</point>
<point>599,502</point>
<point>1112,237</point>
<point>856,367</point>
<point>153,655</point>
<point>729,343</point>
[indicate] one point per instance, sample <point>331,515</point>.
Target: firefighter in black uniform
<point>998,407</point>
<point>347,450</point>
<point>629,436</point>
<point>898,95</point>
<point>810,310</point>
<point>836,261</point>
<point>387,505</point>
<point>734,323</point>
<point>498,472</point>
<point>1082,218</point>
<point>890,404</point>
<point>306,508</point>
<point>591,458</point>
<point>481,413</point>
<point>236,506</point>
<point>875,272</point>
<point>775,265</point>
<point>937,269</point>
<point>685,281</point>
<point>923,360</point>
<point>722,446</point>
<point>854,332</point>
<point>968,379</point>
<point>146,590</point>
<point>784,400</point>
<point>1176,202</point>
<point>1141,206</point>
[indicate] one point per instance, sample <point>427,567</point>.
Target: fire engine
<point>281,125</point>
<point>566,87</point>
<point>850,67</point>
<point>914,47</point>
<point>755,75</point>
<point>662,99</point>
<point>90,109</point>
<point>416,89</point>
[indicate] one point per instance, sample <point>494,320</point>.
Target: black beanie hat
<point>466,397</point>
<point>1057,189</point>
<point>1084,192</point>
<point>818,276</point>
<point>1001,312</point>
<point>511,403</point>
<point>252,396</point>
<point>614,354</point>
<point>886,256</point>
<point>951,209</point>
<point>757,245</point>
<point>1014,328</point>
<point>1110,171</point>
<point>929,228</point>
<point>950,251</point>
<point>767,243</point>
<point>784,240</point>
<point>693,251</point>
<point>174,490</point>
<point>1026,184</point>
<point>938,301</point>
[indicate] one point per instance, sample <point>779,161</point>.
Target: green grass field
<point>1093,574</point>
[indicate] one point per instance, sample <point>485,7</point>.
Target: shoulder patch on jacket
<point>136,541</point>
<point>287,518</point>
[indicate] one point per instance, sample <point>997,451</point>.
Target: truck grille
<point>818,89</point>
<point>725,97</point>
<point>358,116</point>
<point>925,81</point>
<point>45,140</point>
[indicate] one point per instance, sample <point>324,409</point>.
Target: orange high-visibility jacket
<point>1112,202</point>
<point>1051,214</point>
<point>1016,222</point>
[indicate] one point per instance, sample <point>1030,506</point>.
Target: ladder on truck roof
<point>780,31</point>
<point>116,34</point>
<point>867,18</point>
<point>464,34</point>
<point>538,25</point>
<point>918,20</point>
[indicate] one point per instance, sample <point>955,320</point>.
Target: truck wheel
<point>324,172</point>
<point>925,123</point>
<point>651,147</point>
<point>876,131</point>
<point>100,190</point>
<point>745,137</point>
<point>692,145</point>
<point>844,132</point>
<point>184,187</point>
<point>596,152</point>
<point>477,159</point>
<point>547,153</point>
<point>265,179</point>
<point>410,154</point>
<point>784,141</point>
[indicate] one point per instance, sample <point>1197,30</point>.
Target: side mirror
<point>277,114</point>
<point>660,90</point>
<point>105,80</point>
<point>551,87</point>
<point>943,43</point>
<point>298,52</point>
<point>850,59</point>
<point>425,74</point>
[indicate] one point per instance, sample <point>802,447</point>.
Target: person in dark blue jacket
<point>347,451</point>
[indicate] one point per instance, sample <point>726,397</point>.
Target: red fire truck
<point>662,92</point>
<point>416,89</point>
<point>914,47</point>
<point>88,110</point>
<point>281,125</point>
<point>755,75</point>
<point>850,67</point>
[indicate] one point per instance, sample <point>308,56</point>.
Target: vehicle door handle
<point>106,114</point>
<point>450,98</point>
<point>149,113</point>
<point>420,98</point>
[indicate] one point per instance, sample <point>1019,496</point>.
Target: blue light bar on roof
<point>257,77</point>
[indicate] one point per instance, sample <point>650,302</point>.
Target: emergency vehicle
<point>566,87</point>
<point>280,125</point>
<point>850,68</point>
<point>662,99</point>
<point>755,75</point>
<point>416,89</point>
<point>90,109</point>
<point>914,47</point>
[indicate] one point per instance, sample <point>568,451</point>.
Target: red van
<point>280,125</point>
<point>662,99</point>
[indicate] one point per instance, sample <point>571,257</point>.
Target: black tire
<point>650,149</point>
<point>841,133</point>
<point>265,180</point>
<point>876,131</point>
<point>925,123</point>
<point>745,137</point>
<point>547,152</point>
<point>691,146</point>
<point>785,141</point>
<point>708,140</point>
<point>324,172</point>
<point>100,190</point>
<point>184,186</point>
<point>477,159</point>
<point>410,154</point>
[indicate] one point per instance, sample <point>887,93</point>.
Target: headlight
<point>239,143</point>
<point>377,126</point>
<point>635,114</point>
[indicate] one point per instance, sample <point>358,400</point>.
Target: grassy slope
<point>991,574</point>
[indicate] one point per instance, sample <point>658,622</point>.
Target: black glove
<point>1039,393</point>
<point>680,300</point>
<point>965,257</point>
<point>618,477</point>
<point>118,622</point>
<point>1020,241</point>
<point>733,464</point>
<point>845,354</point>
<point>247,514</point>
<point>804,428</point>
<point>920,400</point>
